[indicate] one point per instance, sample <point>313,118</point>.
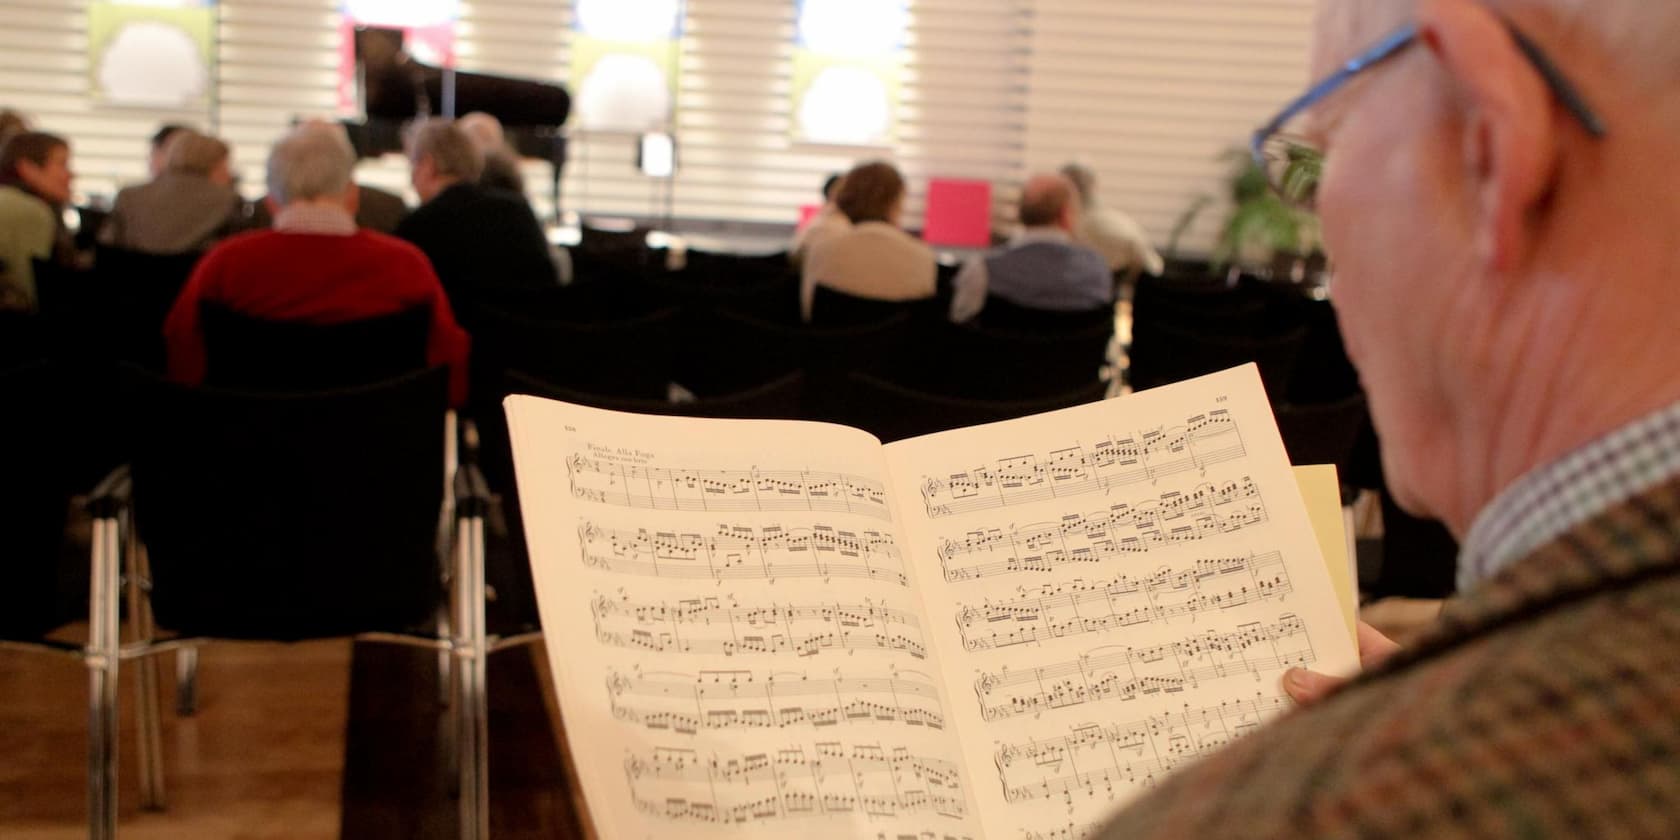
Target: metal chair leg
<point>186,682</point>
<point>147,707</point>
<point>103,659</point>
<point>472,712</point>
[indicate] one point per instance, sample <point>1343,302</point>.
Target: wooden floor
<point>314,740</point>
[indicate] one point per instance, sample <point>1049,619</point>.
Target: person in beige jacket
<point>872,257</point>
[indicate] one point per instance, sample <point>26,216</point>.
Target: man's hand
<point>1308,687</point>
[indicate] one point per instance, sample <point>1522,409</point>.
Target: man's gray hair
<point>452,152</point>
<point>315,161</point>
<point>191,153</point>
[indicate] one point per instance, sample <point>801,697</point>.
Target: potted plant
<point>1265,235</point>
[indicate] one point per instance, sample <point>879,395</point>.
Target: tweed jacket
<point>1545,704</point>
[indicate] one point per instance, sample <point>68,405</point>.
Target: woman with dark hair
<point>873,258</point>
<point>34,190</point>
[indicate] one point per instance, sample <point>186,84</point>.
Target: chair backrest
<point>1007,315</point>
<point>291,516</point>
<point>978,361</point>
<point>776,400</point>
<point>1162,354</point>
<point>1198,302</point>
<point>830,308</point>
<point>825,353</point>
<point>255,354</point>
<point>134,292</point>
<point>1325,433</point>
<point>631,357</point>
<point>34,495</point>
<point>891,411</point>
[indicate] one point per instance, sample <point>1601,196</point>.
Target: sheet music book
<point>763,629</point>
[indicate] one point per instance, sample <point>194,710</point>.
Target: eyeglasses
<point>1292,164</point>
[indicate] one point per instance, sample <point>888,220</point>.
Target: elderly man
<point>481,241</point>
<point>1499,194</point>
<point>188,207</point>
<point>1119,239</point>
<point>1043,268</point>
<point>315,265</point>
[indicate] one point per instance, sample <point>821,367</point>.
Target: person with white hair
<point>1116,236</point>
<point>1498,196</point>
<point>189,206</point>
<point>315,266</point>
<point>501,163</point>
<point>481,241</point>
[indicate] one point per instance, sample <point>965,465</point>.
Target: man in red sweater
<point>315,266</point>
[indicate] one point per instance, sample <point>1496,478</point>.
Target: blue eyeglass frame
<point>1565,91</point>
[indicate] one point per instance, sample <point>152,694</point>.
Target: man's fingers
<point>1374,647</point>
<point>1308,687</point>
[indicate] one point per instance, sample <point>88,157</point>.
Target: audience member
<point>315,266</point>
<point>1043,268</point>
<point>35,181</point>
<point>376,209</point>
<point>12,122</point>
<point>826,220</point>
<point>189,207</point>
<point>1499,196</point>
<point>157,161</point>
<point>501,163</point>
<point>481,241</point>
<point>872,257</point>
<point>1113,234</point>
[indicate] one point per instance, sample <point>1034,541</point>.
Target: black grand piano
<point>396,89</point>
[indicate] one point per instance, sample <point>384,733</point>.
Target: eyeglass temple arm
<point>1382,51</point>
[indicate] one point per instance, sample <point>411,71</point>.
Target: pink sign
<point>959,213</point>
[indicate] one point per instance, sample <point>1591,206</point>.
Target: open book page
<point>736,641</point>
<point>1119,588</point>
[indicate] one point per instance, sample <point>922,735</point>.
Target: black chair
<point>285,517</point>
<point>609,254</point>
<point>23,338</point>
<point>830,308</point>
<point>747,350</point>
<point>34,498</point>
<point>1323,433</point>
<point>1006,315</point>
<point>1163,354</point>
<point>138,290</point>
<point>974,361</point>
<point>776,400</point>
<point>631,357</point>
<point>1200,303</point>
<point>894,412</point>
<point>256,354</point>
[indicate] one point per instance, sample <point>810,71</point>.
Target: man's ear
<point>1510,149</point>
<point>353,198</point>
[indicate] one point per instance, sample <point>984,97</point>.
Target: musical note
<point>1123,673</point>
<point>1203,440</point>
<point>742,700</point>
<point>711,626</point>
<point>1056,611</point>
<point>1172,518</point>
<point>735,552</point>
<point>793,783</point>
<point>1070,831</point>
<point>724,491</point>
<point>1094,758</point>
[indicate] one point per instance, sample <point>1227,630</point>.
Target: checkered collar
<point>1553,500</point>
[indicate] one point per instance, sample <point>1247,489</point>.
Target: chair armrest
<point>472,492</point>
<point>112,494</point>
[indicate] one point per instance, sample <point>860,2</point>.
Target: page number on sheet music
<point>572,429</point>
<point>1221,399</point>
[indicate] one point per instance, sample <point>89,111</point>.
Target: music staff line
<point>708,626</point>
<point>1124,673</point>
<point>735,552</point>
<point>738,700</point>
<point>1122,529</point>
<point>793,783</point>
<point>1077,607</point>
<point>1136,753</point>
<point>1203,441</point>
<point>724,491</point>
